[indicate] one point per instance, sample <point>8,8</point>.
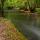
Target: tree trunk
<point>2,9</point>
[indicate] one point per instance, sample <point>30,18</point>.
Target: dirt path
<point>2,28</point>
<point>9,32</point>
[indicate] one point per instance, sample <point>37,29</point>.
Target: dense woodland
<point>22,4</point>
<point>25,5</point>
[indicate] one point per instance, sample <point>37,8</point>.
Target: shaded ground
<point>9,32</point>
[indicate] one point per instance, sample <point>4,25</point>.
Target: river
<point>29,25</point>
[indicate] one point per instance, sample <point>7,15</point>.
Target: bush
<point>10,7</point>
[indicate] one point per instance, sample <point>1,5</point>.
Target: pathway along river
<point>28,25</point>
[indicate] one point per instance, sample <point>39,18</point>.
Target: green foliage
<point>19,3</point>
<point>38,10</point>
<point>16,3</point>
<point>23,4</point>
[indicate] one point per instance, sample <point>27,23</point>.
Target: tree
<point>37,3</point>
<point>2,3</point>
<point>32,6</point>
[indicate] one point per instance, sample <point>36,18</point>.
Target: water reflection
<point>34,20</point>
